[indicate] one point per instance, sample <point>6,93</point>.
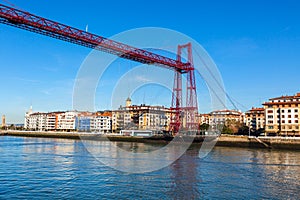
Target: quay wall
<point>288,143</point>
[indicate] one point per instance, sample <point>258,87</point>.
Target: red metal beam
<point>30,22</point>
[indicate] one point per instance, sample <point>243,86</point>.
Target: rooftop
<point>296,96</point>
<point>283,100</point>
<point>226,111</point>
<point>257,109</point>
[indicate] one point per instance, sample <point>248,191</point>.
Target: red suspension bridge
<point>183,116</point>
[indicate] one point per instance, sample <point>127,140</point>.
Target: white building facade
<point>101,124</point>
<point>35,121</point>
<point>66,120</point>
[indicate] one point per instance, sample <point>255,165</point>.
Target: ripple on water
<point>45,168</point>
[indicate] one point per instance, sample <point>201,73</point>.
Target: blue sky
<point>255,44</point>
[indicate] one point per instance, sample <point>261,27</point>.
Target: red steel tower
<point>183,118</point>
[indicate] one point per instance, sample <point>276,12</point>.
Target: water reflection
<point>60,149</point>
<point>266,172</point>
<point>184,179</point>
<point>45,168</point>
<point>135,157</point>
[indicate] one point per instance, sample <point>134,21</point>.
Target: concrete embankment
<point>2,134</point>
<point>260,142</point>
<point>43,134</point>
<point>283,142</point>
<point>87,136</point>
<point>238,141</point>
<point>224,140</point>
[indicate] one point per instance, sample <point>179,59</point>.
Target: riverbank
<point>289,143</point>
<point>87,136</point>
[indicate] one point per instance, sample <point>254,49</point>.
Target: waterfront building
<point>225,116</point>
<point>99,122</point>
<point>155,118</point>
<point>65,121</point>
<point>230,118</point>
<point>203,118</point>
<point>26,119</point>
<point>255,118</point>
<point>121,119</point>
<point>35,121</point>
<point>68,121</point>
<point>51,122</point>
<point>282,115</point>
<point>83,121</point>
<point>141,117</point>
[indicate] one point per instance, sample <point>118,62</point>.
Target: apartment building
<point>155,118</point>
<point>282,115</point>
<point>101,122</point>
<point>121,119</point>
<point>255,118</point>
<point>142,117</point>
<point>224,116</point>
<point>65,121</point>
<point>96,122</point>
<point>35,121</point>
<point>83,121</point>
<point>51,122</point>
<point>203,118</point>
<point>68,121</point>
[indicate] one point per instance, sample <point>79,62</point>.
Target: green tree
<point>233,125</point>
<point>227,130</point>
<point>204,127</point>
<point>12,127</point>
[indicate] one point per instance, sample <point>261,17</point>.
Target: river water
<point>44,168</point>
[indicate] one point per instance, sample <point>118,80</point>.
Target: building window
<point>296,110</point>
<point>270,122</point>
<point>289,116</point>
<point>270,116</point>
<point>290,121</point>
<point>296,121</point>
<point>270,111</point>
<point>282,116</point>
<point>283,121</point>
<point>289,110</point>
<point>296,116</point>
<point>270,127</point>
<point>282,111</point>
